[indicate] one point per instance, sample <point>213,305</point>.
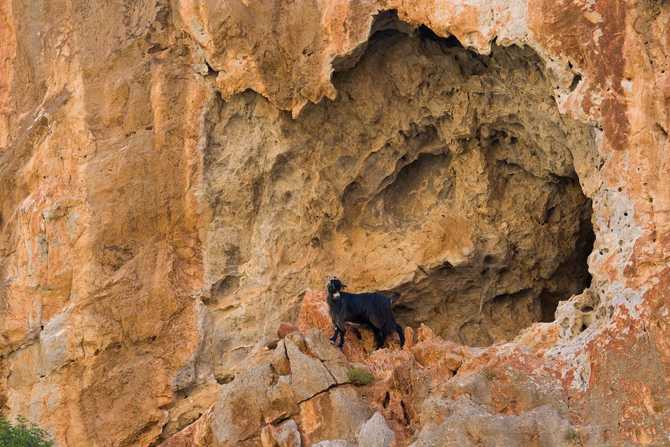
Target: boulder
<point>376,433</point>
<point>284,435</point>
<point>336,414</point>
<point>279,401</point>
<point>308,375</point>
<point>237,414</point>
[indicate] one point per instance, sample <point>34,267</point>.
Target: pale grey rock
<point>472,425</point>
<point>308,375</point>
<point>287,434</point>
<point>318,346</point>
<point>376,433</point>
<point>237,414</point>
<point>333,443</point>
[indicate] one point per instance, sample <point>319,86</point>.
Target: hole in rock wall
<point>438,173</point>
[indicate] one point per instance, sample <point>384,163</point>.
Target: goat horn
<point>328,276</point>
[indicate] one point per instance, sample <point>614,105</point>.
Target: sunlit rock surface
<point>174,176</point>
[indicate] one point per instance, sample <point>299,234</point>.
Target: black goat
<point>373,309</point>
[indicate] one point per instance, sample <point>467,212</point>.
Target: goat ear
<point>344,286</point>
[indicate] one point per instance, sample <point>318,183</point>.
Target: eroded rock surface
<point>175,175</point>
<point>413,397</point>
<point>430,149</point>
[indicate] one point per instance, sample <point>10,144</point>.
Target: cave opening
<point>507,169</point>
<point>442,174</point>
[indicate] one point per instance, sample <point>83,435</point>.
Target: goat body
<point>372,309</point>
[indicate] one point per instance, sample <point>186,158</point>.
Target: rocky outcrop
<point>175,175</point>
<point>433,392</point>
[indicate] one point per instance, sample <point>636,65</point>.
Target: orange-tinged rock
<point>285,329</point>
<point>314,313</point>
<point>336,414</point>
<point>160,213</point>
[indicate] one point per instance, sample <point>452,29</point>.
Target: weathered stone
<point>160,213</point>
<point>238,414</point>
<point>336,414</point>
<point>279,359</point>
<point>288,434</point>
<point>400,392</point>
<point>279,402</point>
<point>314,313</point>
<point>284,435</point>
<point>438,356</point>
<point>318,346</point>
<point>180,440</point>
<point>268,438</point>
<point>375,433</point>
<point>464,423</point>
<point>334,443</point>
<point>338,369</point>
<point>308,375</point>
<point>285,329</point>
<point>298,341</point>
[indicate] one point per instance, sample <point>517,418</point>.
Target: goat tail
<point>394,297</point>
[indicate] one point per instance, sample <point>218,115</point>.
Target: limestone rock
<point>284,435</point>
<point>463,423</point>
<point>238,415</point>
<point>285,329</point>
<point>318,346</point>
<point>288,435</point>
<point>439,356</point>
<point>336,414</point>
<point>334,443</point>
<point>174,175</point>
<point>279,359</point>
<point>375,433</point>
<point>280,401</point>
<point>179,440</point>
<point>308,375</point>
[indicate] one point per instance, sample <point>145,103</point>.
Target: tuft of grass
<point>490,375</point>
<point>571,436</point>
<point>23,434</point>
<point>359,377</point>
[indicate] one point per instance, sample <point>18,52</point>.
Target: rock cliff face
<point>174,176</point>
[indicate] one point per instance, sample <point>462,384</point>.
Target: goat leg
<point>380,340</point>
<point>379,337</point>
<point>342,331</point>
<point>398,329</point>
<point>334,337</point>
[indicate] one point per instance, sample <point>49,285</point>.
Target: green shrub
<point>572,436</point>
<point>23,434</point>
<point>359,377</point>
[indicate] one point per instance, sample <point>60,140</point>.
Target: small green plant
<point>490,375</point>
<point>23,434</point>
<point>359,377</point>
<point>572,436</point>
